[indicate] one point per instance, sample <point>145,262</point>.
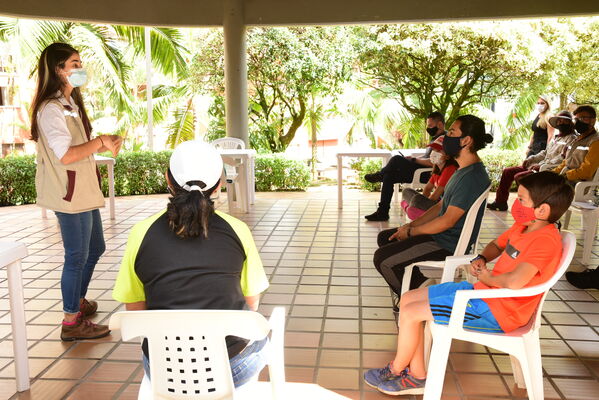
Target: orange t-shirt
<point>541,248</point>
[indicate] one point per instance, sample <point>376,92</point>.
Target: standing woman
<point>67,180</point>
<point>542,132</point>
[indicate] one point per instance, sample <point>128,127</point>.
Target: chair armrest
<point>463,296</point>
<point>276,364</point>
<point>418,173</point>
<point>452,263</point>
<point>581,187</point>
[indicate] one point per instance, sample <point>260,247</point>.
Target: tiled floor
<point>319,260</point>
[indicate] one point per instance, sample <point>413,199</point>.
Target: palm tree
<point>109,53</point>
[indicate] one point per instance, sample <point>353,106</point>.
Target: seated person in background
<point>435,234</point>
<point>191,256</point>
<point>529,253</point>
<point>545,160</point>
<point>582,156</point>
<point>416,204</point>
<point>401,169</point>
<point>587,279</point>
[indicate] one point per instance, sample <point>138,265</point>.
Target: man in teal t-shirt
<point>435,234</point>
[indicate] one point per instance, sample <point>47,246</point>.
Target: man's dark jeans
<point>398,170</point>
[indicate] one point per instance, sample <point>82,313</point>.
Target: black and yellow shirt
<point>168,272</point>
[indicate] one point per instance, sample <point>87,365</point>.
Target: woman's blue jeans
<point>244,365</point>
<point>83,241</point>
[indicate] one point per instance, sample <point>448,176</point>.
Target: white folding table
<point>382,153</point>
<point>11,254</point>
<point>244,159</point>
<point>109,162</point>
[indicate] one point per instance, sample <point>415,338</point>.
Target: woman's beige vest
<point>71,188</point>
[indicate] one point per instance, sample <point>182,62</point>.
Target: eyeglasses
<point>583,119</point>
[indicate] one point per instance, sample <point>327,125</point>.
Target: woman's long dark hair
<point>49,82</point>
<point>188,213</point>
<point>448,162</point>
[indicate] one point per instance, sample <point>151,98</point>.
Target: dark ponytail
<point>189,212</point>
<point>475,128</point>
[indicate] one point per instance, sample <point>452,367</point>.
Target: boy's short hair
<point>549,188</point>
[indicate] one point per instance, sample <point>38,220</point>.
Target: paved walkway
<point>319,261</point>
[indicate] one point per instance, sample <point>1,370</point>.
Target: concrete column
<point>236,97</point>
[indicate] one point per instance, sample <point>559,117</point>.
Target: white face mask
<point>541,108</point>
<point>78,77</point>
<point>437,158</point>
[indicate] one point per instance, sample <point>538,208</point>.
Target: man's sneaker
<point>374,178</point>
<point>588,279</point>
<point>83,329</point>
<point>497,206</point>
<point>374,377</point>
<point>88,308</point>
<point>402,384</point>
<point>378,215</point>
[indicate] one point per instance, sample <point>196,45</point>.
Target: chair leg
<point>567,217</point>
<point>589,227</point>
<point>437,366</point>
<point>533,374</point>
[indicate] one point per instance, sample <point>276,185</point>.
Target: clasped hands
<point>112,143</point>
<point>478,268</point>
<point>403,232</point>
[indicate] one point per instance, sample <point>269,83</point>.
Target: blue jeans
<point>244,365</point>
<point>83,241</point>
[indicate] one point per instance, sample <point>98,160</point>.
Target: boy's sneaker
<point>402,384</point>
<point>88,308</point>
<point>83,329</point>
<point>374,377</point>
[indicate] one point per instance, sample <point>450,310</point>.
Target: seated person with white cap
<point>191,256</point>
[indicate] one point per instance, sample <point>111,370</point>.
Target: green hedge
<point>142,172</point>
<point>276,173</point>
<point>17,180</point>
<point>494,159</point>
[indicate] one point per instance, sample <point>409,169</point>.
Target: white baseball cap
<point>196,160</point>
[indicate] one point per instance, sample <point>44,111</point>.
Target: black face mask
<point>564,129</point>
<point>581,127</point>
<point>452,146</point>
<point>432,131</point>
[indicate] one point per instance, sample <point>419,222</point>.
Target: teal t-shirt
<point>462,190</point>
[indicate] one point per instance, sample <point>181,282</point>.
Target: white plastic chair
<point>188,353</point>
<point>465,238</point>
<point>523,344</point>
<point>583,192</point>
<point>231,173</point>
<point>416,184</point>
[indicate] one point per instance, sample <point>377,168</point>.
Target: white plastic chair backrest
<point>187,349</point>
<point>568,249</point>
<point>585,190</point>
<point>228,143</point>
<point>470,231</point>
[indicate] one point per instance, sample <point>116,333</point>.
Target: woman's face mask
<point>541,107</point>
<point>437,158</point>
<point>77,77</point>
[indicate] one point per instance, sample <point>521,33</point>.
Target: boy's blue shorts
<point>478,314</point>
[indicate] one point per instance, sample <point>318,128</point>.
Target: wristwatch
<point>478,257</point>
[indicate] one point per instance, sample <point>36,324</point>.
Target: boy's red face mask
<point>522,215</point>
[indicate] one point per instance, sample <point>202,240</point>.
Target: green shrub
<point>276,173</point>
<point>496,160</point>
<point>17,180</point>
<point>140,172</point>
<point>367,166</point>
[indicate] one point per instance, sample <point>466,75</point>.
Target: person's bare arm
<point>253,302</point>
<point>439,224</point>
<point>97,145</point>
<point>437,193</point>
<point>515,279</point>
<point>490,252</point>
<point>425,162</point>
<point>429,215</point>
<point>428,189</point>
<point>137,306</point>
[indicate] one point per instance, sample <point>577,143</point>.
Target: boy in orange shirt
<point>529,254</point>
